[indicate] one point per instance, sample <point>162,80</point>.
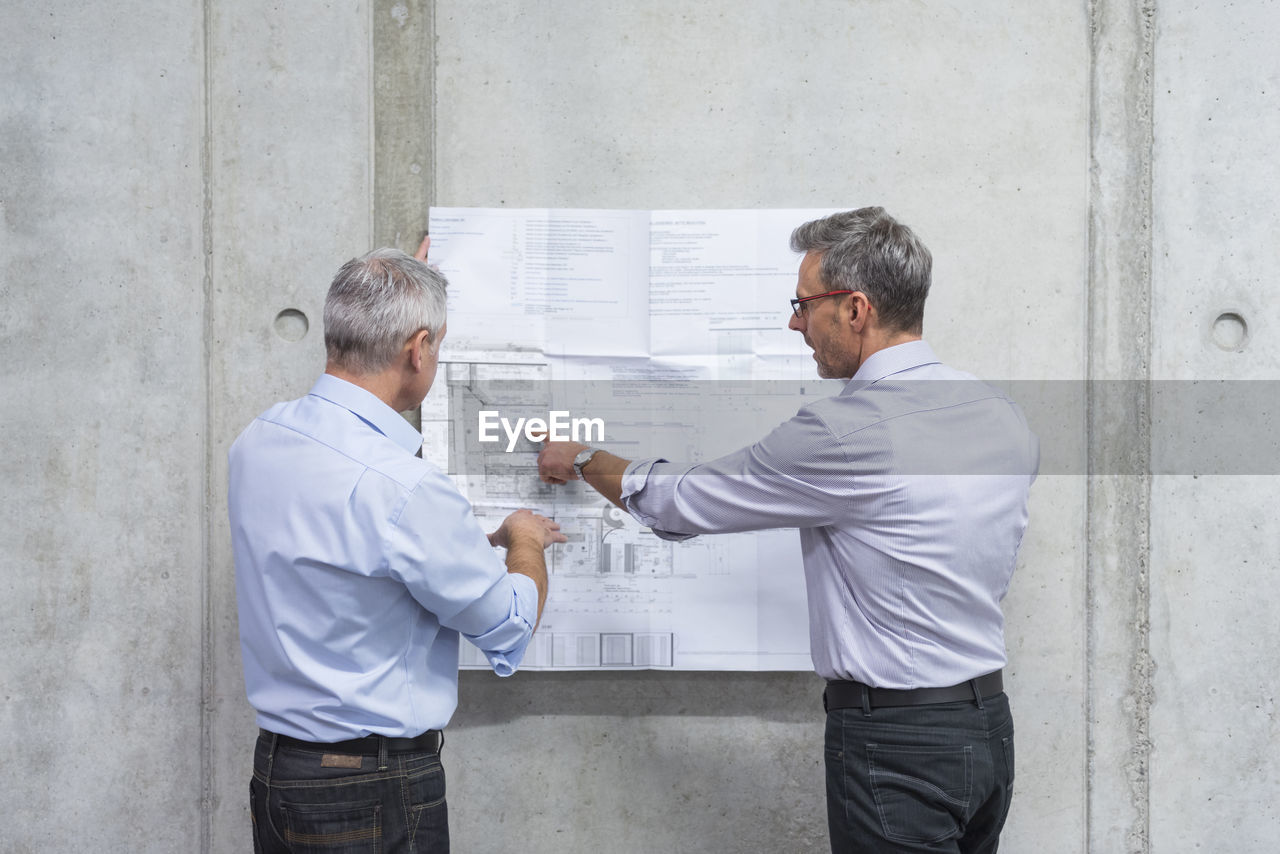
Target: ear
<point>420,340</point>
<point>860,310</point>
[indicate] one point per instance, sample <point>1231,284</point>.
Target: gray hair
<point>375,304</point>
<point>867,250</point>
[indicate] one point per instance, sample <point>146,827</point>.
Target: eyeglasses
<point>799,301</point>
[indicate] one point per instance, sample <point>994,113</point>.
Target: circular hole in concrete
<point>291,324</point>
<point>1230,331</point>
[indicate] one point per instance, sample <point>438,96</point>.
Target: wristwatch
<point>584,456</point>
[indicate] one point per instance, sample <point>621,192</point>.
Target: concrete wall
<point>103,403</point>
<point>178,185</point>
<point>1214,633</point>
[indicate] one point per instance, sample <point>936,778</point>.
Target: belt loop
<point>382,753</point>
<point>440,743</point>
<point>866,701</point>
<point>271,757</point>
<point>977,693</point>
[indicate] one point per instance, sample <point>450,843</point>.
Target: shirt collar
<point>367,406</point>
<point>892,360</point>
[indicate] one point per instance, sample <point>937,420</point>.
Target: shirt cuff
<point>634,480</point>
<point>636,473</point>
<point>504,645</point>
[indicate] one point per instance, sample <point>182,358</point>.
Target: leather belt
<point>429,742</point>
<point>854,695</point>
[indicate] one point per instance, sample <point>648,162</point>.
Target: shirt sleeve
<point>505,644</point>
<point>798,476</point>
<point>439,552</point>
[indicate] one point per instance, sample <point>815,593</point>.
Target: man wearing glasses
<point>909,489</point>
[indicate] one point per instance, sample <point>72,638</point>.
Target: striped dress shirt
<point>909,490</point>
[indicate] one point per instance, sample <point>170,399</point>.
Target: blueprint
<point>666,331</point>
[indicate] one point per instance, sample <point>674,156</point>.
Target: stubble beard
<point>827,369</point>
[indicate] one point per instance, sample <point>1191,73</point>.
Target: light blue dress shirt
<point>910,491</point>
<point>357,566</point>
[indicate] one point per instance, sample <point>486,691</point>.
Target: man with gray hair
<point>909,489</point>
<point>358,565</point>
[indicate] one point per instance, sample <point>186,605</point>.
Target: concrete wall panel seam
<point>208,687</point>
<point>1118,659</point>
<point>402,93</point>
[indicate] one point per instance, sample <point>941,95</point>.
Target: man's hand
<point>527,526</point>
<point>603,472</point>
<point>555,461</point>
<point>526,535</point>
<point>423,249</point>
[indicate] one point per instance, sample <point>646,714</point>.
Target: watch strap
<point>584,456</point>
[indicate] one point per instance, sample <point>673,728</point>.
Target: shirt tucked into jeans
<point>358,565</point>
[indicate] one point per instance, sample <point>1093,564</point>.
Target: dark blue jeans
<point>935,778</point>
<point>301,804</point>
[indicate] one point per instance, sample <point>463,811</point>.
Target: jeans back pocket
<point>921,792</point>
<point>353,828</point>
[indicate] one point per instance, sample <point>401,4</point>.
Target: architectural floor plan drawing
<point>667,332</point>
